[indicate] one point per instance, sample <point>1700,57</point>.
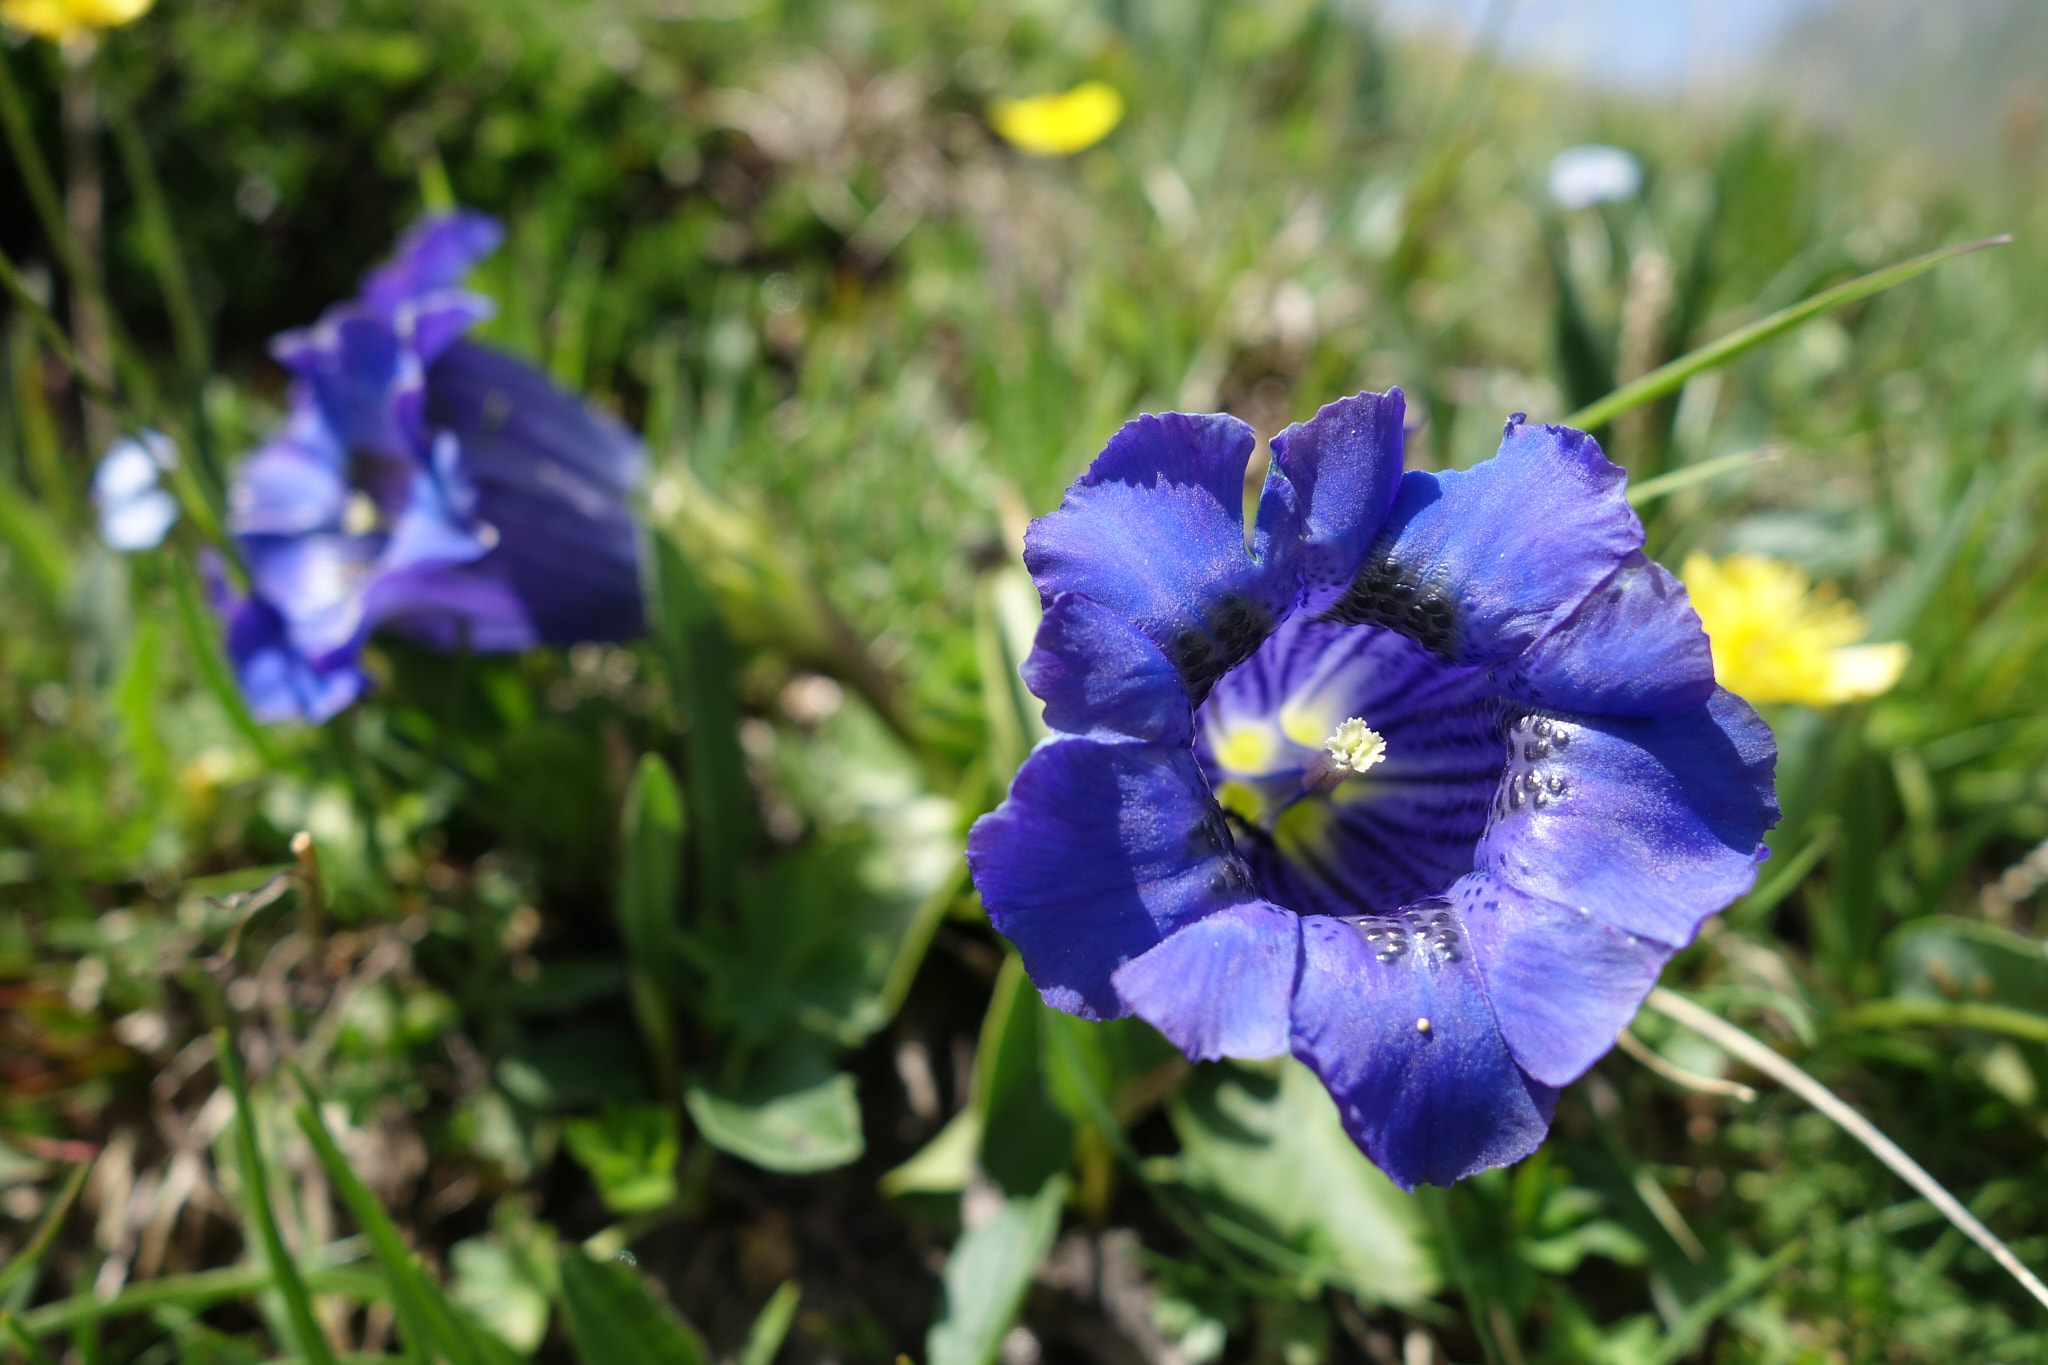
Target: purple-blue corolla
<point>1422,781</point>
<point>424,484</point>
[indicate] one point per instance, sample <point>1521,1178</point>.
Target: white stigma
<point>1351,748</point>
<point>1354,746</point>
<point>359,515</point>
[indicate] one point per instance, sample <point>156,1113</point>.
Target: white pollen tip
<point>1422,1025</point>
<point>1354,746</point>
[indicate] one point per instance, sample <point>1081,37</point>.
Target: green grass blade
<point>212,665</point>
<point>31,1350</point>
<point>1741,1046</point>
<point>412,1297</point>
<point>649,880</point>
<point>1668,378</point>
<point>1687,1331</point>
<point>188,334</point>
<point>34,171</point>
<point>766,1336</point>
<point>195,1291</point>
<point>31,1255</point>
<point>1649,490</point>
<point>1879,1015</point>
<point>53,332</point>
<point>700,665</point>
<point>284,1273</point>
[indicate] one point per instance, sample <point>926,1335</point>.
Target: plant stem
<point>1740,1045</point>
<point>1665,378</point>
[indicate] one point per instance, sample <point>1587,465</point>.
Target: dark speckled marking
<point>1203,653</point>
<point>1210,839</point>
<point>1534,776</point>
<point>1425,927</point>
<point>1385,594</point>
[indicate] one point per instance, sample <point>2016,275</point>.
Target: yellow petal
<point>1058,125</point>
<point>1861,671</point>
<point>58,20</point>
<point>1777,639</point>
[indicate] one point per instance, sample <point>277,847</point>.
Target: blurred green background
<point>642,985</point>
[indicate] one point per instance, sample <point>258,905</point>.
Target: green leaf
<point>135,702</point>
<point>1949,957</point>
<point>614,1320</point>
<point>831,935</point>
<point>1026,1139</point>
<point>700,672</point>
<point>631,1153</point>
<point>574,1066</point>
<point>771,1327</point>
<point>1667,378</point>
<point>814,1125</point>
<point>497,1287</point>
<point>648,883</point>
<point>1005,622</point>
<point>944,1165</point>
<point>1270,1145</point>
<point>988,1274</point>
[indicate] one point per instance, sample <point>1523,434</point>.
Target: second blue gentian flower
<point>426,484</point>
<point>1422,780</point>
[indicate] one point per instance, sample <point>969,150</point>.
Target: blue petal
<point>432,324</point>
<point>453,607</point>
<point>1481,564</point>
<point>295,482</point>
<point>277,680</point>
<point>1428,1105</point>
<point>1155,532</point>
<point>1101,851</point>
<point>366,380</point>
<point>1344,463</point>
<point>431,529</point>
<point>1098,675</point>
<point>435,254</point>
<point>1562,983</point>
<point>1220,987</point>
<point>556,478</point>
<point>316,584</point>
<point>1634,647</point>
<point>1652,824</point>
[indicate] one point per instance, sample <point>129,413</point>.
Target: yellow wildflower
<point>62,20</point>
<point>1777,639</point>
<point>1059,125</point>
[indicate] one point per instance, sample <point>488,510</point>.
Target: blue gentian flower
<point>135,510</point>
<point>1422,780</point>
<point>426,484</point>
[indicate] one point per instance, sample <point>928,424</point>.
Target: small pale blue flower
<point>1423,782</point>
<point>135,511</point>
<point>1593,173</point>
